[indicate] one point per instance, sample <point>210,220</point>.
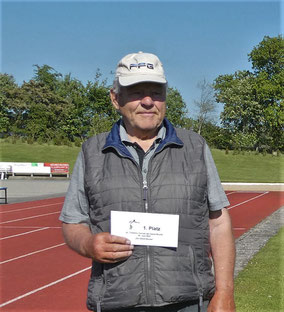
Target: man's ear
<point>114,99</point>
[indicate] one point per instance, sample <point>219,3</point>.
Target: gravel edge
<point>253,240</point>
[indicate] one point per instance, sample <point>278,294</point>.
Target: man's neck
<point>145,139</point>
<point>144,143</point>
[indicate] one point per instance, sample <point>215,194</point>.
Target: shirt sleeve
<point>76,205</point>
<point>217,198</point>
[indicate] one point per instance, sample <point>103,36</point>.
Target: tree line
<point>60,108</point>
<point>53,107</point>
<point>253,100</point>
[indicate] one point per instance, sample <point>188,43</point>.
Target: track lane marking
<point>248,200</point>
<point>25,233</point>
<point>233,192</point>
<point>48,285</point>
<point>43,287</point>
<point>27,208</point>
<point>252,192</point>
<point>32,253</point>
<point>32,217</point>
<point>27,227</point>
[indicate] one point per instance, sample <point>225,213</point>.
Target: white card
<point>152,229</point>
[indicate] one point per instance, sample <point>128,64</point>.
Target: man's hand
<point>107,248</point>
<point>222,301</point>
<point>101,247</point>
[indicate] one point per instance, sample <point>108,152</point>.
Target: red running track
<point>39,272</point>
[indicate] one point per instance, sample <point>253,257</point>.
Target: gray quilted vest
<point>176,181</point>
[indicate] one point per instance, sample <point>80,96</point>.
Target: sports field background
<point>258,286</point>
<point>232,167</point>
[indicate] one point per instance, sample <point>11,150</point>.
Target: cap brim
<point>130,80</point>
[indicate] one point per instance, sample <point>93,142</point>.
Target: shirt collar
<point>125,139</point>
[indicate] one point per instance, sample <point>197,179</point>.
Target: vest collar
<point>113,139</point>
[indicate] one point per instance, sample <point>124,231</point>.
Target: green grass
<point>35,152</point>
<point>260,286</point>
<point>248,167</point>
<point>231,168</point>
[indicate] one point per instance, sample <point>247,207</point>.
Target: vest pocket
<point>195,274</point>
<point>124,284</point>
<point>179,268</point>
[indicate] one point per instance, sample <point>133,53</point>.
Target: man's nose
<point>147,100</point>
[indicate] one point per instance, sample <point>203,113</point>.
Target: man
<point>146,165</point>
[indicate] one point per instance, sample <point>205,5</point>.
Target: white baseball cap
<point>140,67</point>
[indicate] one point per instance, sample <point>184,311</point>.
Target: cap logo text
<point>139,65</point>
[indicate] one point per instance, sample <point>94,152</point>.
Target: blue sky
<point>193,39</point>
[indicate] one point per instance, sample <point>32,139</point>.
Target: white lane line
<point>251,183</point>
<point>42,215</point>
<point>245,192</point>
<point>32,253</point>
<point>25,233</point>
<point>251,192</point>
<point>248,200</point>
<point>27,208</point>
<point>27,227</point>
<point>43,287</point>
<point>231,193</point>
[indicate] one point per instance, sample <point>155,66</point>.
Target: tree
<point>44,111</point>
<point>47,75</point>
<point>267,56</point>
<point>242,112</point>
<point>253,101</point>
<point>76,96</point>
<point>176,108</point>
<point>101,113</point>
<point>206,104</point>
<point>14,105</point>
<point>268,65</point>
<point>215,135</point>
<point>55,107</point>
<point>7,89</point>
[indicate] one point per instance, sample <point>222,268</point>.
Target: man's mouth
<point>147,113</point>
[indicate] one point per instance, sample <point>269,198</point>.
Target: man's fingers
<point>109,248</point>
<point>117,247</point>
<point>113,257</point>
<point>114,243</point>
<point>117,239</point>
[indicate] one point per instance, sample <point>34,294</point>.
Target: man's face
<point>143,107</point>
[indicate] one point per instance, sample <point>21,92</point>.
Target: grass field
<point>231,168</point>
<point>249,167</point>
<point>24,152</point>
<point>260,286</point>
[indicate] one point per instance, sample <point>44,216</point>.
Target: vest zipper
<point>145,191</point>
<point>148,258</point>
